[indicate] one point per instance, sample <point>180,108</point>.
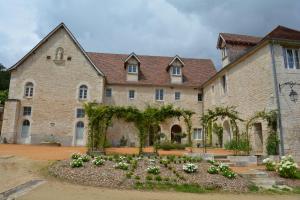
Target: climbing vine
<point>220,112</point>
<point>101,116</point>
<point>271,119</point>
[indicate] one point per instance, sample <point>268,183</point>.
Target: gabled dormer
<point>175,70</point>
<point>132,66</point>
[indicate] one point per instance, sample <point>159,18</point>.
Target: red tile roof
<point>281,32</point>
<point>240,39</point>
<point>153,69</point>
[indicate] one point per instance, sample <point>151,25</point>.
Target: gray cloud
<point>188,28</point>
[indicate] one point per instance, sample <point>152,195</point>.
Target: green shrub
<point>137,177</point>
<point>129,174</point>
<point>86,158</point>
<point>169,146</point>
<point>158,178</point>
<point>75,155</point>
<point>240,145</point>
<point>76,163</point>
<point>270,164</point>
<point>167,179</point>
<point>122,165</point>
<point>190,168</point>
<point>272,144</point>
<point>213,170</point>
<point>229,174</point>
<point>149,178</point>
<point>153,170</point>
<point>98,161</point>
<point>287,167</point>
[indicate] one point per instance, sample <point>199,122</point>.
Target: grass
<point>190,188</point>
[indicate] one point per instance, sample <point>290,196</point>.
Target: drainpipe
<point>279,122</point>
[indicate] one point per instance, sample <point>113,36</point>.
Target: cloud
<point>158,27</point>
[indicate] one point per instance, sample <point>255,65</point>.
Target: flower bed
<point>105,171</point>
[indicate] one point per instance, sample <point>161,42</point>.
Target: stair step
<point>223,160</point>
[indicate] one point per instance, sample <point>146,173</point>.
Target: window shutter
<point>284,57</point>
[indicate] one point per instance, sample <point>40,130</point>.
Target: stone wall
<point>56,88</point>
<point>290,111</point>
<point>250,88</point>
<point>145,95</point>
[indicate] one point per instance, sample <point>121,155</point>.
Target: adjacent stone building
<point>260,74</point>
<point>50,84</point>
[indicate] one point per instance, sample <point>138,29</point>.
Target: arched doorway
<point>79,133</point>
<point>176,134</point>
<point>258,138</point>
<point>226,132</point>
<point>25,132</point>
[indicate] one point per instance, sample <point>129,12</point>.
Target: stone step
<point>255,174</point>
<point>222,160</point>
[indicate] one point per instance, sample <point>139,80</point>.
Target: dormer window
<point>176,70</point>
<point>224,52</point>
<point>132,68</point>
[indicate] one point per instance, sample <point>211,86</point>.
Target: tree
<point>4,78</point>
<point>3,96</point>
<point>218,130</point>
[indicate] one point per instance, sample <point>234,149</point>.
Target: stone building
<point>50,84</point>
<point>259,74</point>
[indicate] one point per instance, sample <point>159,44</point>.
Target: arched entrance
<point>226,132</point>
<point>176,133</point>
<point>258,138</point>
<point>79,134</point>
<point>25,132</point>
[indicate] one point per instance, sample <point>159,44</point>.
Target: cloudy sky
<point>188,28</point>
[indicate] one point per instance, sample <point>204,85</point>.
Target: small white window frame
<point>132,69</point>
<point>176,70</point>
<point>287,64</point>
<point>197,132</point>
<point>159,94</point>
<point>177,96</point>
<point>130,92</point>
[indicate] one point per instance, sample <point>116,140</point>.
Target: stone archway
<point>226,132</point>
<point>176,133</point>
<point>258,138</point>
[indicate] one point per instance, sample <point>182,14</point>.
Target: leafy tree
<point>4,78</point>
<point>3,96</point>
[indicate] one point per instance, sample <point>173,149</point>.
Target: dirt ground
<point>38,152</point>
<point>15,170</point>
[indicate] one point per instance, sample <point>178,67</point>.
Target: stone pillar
<point>10,120</point>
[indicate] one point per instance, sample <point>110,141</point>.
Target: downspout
<point>203,128</point>
<point>279,122</point>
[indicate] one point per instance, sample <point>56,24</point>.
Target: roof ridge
<point>159,56</point>
<point>241,34</point>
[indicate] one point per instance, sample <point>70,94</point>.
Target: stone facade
<point>250,88</point>
<point>145,95</point>
<point>55,95</point>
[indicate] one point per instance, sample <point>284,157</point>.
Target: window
<point>108,92</point>
<point>224,53</point>
<point>291,59</point>
<point>176,70</point>
<point>80,113</point>
<point>131,94</point>
<point>132,68</point>
<point>26,111</point>
<point>197,134</point>
<point>177,95</point>
<point>199,97</point>
<point>79,130</point>
<point>83,89</point>
<point>29,89</point>
<point>224,84</point>
<point>25,128</point>
<point>159,94</point>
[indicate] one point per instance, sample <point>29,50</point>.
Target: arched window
<point>25,129</point>
<point>79,130</point>
<point>28,89</point>
<point>83,89</point>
